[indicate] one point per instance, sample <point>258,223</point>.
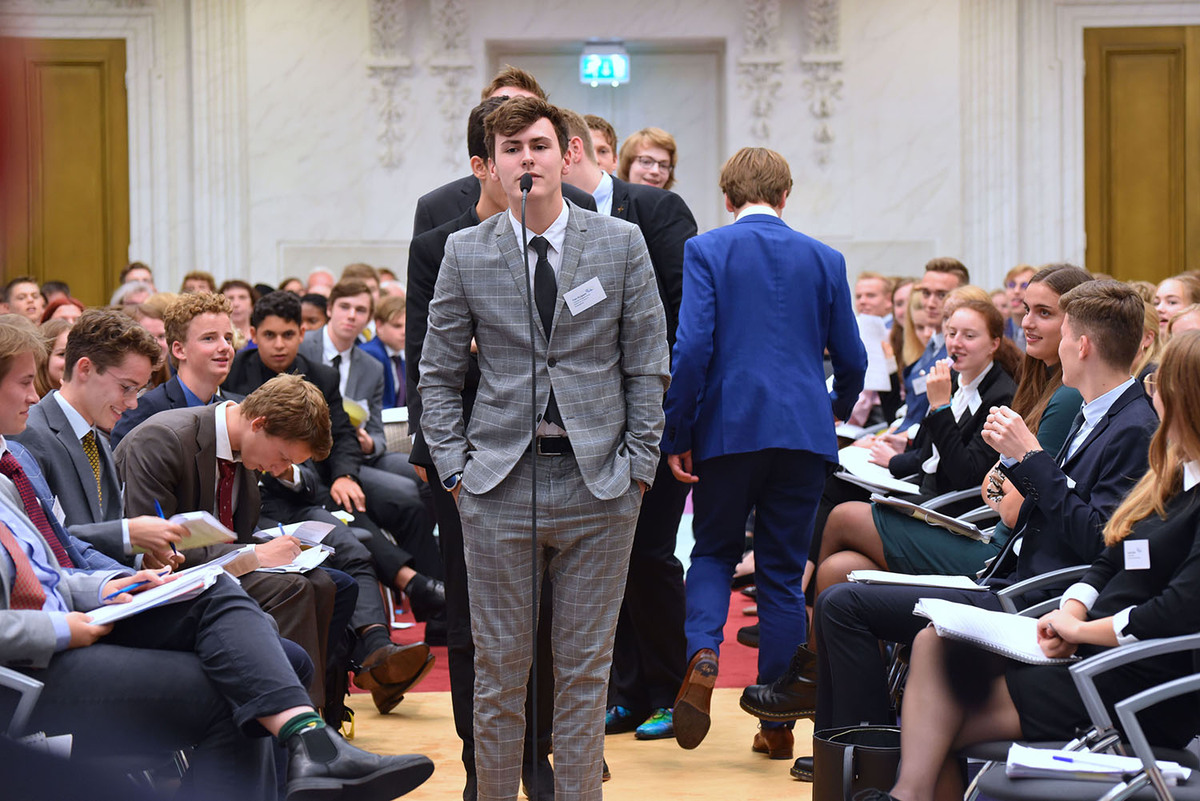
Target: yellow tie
<point>93,455</point>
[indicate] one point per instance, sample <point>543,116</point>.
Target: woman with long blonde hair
<point>1129,594</point>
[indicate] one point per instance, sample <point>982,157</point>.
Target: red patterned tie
<point>26,591</point>
<point>226,471</point>
<point>10,467</point>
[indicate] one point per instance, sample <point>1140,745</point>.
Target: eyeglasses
<point>1015,285</point>
<point>647,163</point>
<point>1150,382</point>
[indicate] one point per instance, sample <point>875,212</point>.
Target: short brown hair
<point>576,126</point>
<point>389,307</point>
<point>753,175</point>
<point>199,275</point>
<point>515,77</point>
<point>348,288</point>
<point>295,410</point>
<point>1110,314</point>
<point>947,264</point>
<point>595,123</point>
<point>105,337</point>
<point>361,272</point>
<point>237,283</point>
<point>185,308</point>
<point>17,336</point>
<point>652,137</point>
<point>518,114</point>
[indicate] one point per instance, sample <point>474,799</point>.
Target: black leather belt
<point>553,446</point>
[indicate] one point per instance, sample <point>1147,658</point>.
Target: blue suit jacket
<point>375,347</point>
<point>82,554</point>
<point>761,304</point>
<point>164,396</point>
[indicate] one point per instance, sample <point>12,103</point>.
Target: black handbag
<point>850,759</point>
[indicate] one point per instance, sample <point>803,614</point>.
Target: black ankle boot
<point>793,695</point>
<point>324,767</point>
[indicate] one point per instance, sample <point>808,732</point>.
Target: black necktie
<point>1066,448</point>
<point>401,388</point>
<point>337,363</point>
<point>545,295</point>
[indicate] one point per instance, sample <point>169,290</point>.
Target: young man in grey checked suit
<point>601,353</point>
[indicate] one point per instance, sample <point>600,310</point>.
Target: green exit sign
<point>611,68</point>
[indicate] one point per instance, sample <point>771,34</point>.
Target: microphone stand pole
<point>532,723</point>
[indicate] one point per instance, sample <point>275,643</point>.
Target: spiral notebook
<point>1010,635</point>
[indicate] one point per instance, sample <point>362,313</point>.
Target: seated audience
<point>293,285</point>
<point>241,300</point>
<point>314,311</point>
<point>138,271</point>
<point>1153,340</point>
<point>388,349</point>
<point>198,281</point>
<point>1015,283</point>
<point>1116,602</point>
<point>320,281</point>
<point>648,157</point>
<point>63,308</point>
<point>604,142</point>
<point>50,369</point>
<point>53,290</point>
<point>131,293</point>
<point>149,315</point>
<point>367,274</point>
<point>22,296</point>
<point>1187,319</point>
<point>210,672</point>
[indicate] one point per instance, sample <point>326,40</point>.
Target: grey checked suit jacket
<point>365,382</point>
<point>48,436</point>
<point>608,364</point>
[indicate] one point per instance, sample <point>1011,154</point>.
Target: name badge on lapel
<point>58,512</point>
<point>584,296</point>
<point>1137,554</point>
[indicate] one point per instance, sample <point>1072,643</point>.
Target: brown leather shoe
<point>388,696</point>
<point>394,664</point>
<point>695,697</point>
<point>775,743</point>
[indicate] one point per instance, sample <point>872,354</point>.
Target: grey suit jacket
<point>26,635</point>
<point>48,436</point>
<point>365,382</point>
<point>608,364</point>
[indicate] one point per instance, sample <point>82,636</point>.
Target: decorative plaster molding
<point>452,65</point>
<point>760,69</point>
<point>388,71</point>
<point>822,64</point>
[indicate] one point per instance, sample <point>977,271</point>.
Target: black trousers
<point>460,651</point>
<point>197,673</point>
<point>849,621</point>
<point>650,650</point>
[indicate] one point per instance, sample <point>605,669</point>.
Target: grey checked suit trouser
<point>609,368</point>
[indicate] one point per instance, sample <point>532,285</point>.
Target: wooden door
<point>64,163</point>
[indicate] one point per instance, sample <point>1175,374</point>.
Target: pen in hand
<point>129,589</point>
<point>158,508</point>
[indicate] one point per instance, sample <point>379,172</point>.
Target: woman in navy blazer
<point>948,454</point>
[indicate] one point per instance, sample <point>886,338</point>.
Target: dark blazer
<point>164,396</point>
<point>666,223</point>
<point>364,383</point>
<point>48,436</point>
<point>450,200</point>
<point>424,261</point>
<point>376,349</point>
<point>249,373</point>
<point>964,457</point>
<point>82,554</point>
<point>1061,524</point>
<point>762,304</point>
<point>173,459</point>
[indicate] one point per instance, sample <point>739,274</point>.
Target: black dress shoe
<point>793,695</point>
<point>802,769</point>
<point>324,767</point>
<point>427,596</point>
<point>748,635</point>
<point>545,781</point>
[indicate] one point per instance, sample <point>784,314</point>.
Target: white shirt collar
<point>79,426</point>
<point>555,234</point>
<point>1191,472</point>
<point>1098,407</point>
<point>224,447</point>
<point>3,445</point>
<point>967,395</point>
<point>329,350</point>
<point>756,208</point>
<point>603,193</point>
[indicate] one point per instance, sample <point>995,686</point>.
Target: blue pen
<point>130,588</point>
<point>158,508</point>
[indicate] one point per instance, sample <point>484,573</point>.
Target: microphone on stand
<point>526,184</point>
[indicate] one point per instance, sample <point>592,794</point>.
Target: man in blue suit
<point>748,417</point>
<point>387,346</point>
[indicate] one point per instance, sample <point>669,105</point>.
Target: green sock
<point>305,721</point>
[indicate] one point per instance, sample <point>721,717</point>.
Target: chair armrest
<point>29,690</point>
<point>981,514</point>
<point>1055,578</point>
<point>948,498</point>
<point>1085,673</point>
<point>1128,710</point>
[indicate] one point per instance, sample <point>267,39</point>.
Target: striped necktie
<point>10,467</point>
<point>26,591</point>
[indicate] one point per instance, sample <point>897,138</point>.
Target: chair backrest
<point>26,692</point>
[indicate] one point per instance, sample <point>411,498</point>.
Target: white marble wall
<point>259,141</point>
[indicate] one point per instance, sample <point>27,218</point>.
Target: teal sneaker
<point>618,720</point>
<point>658,726</point>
